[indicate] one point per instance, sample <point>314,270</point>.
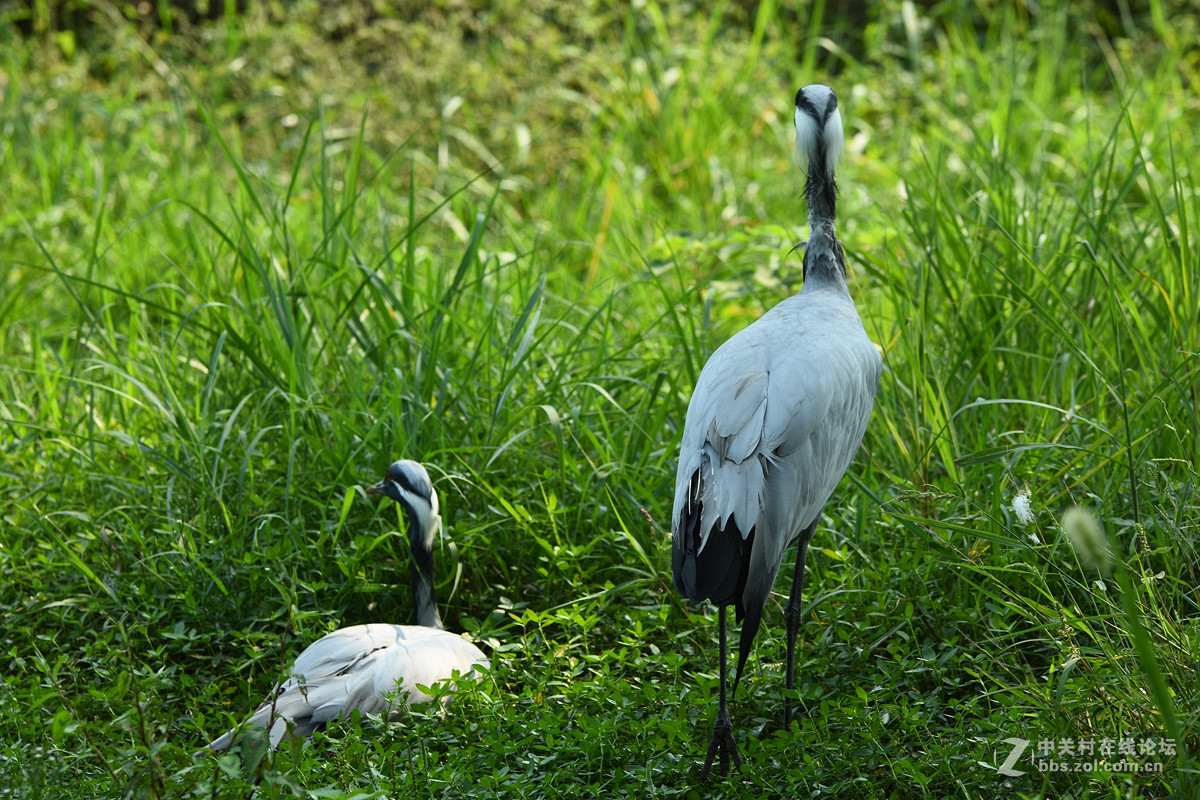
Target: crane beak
<point>377,488</point>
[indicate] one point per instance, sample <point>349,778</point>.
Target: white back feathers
<point>818,127</point>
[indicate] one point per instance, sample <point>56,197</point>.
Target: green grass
<point>245,266</point>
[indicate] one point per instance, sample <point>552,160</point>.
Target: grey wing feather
<point>723,431</point>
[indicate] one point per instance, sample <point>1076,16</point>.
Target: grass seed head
<point>1088,539</point>
<point>1022,508</point>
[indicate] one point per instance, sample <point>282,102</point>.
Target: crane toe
<point>722,742</point>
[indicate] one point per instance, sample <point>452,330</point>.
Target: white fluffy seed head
<point>816,129</point>
<point>1023,508</point>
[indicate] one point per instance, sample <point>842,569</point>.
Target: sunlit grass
<point>240,276</point>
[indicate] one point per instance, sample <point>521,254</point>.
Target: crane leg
<point>722,733</point>
<point>792,615</point>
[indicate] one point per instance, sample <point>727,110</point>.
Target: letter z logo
<point>1019,746</point>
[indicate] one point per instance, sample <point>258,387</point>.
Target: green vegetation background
<point>249,258</point>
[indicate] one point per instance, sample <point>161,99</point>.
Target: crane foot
<point>722,741</point>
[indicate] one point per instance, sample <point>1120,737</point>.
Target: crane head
<point>408,484</point>
<point>819,137</point>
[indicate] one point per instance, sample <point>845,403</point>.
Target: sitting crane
<point>368,667</point>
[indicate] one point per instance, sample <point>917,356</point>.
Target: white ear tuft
<point>835,140</point>
<point>806,138</point>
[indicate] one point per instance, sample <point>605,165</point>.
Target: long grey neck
<point>824,261</point>
<point>820,188</point>
<point>424,599</point>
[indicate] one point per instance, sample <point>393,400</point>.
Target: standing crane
<point>366,667</point>
<point>777,414</point>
